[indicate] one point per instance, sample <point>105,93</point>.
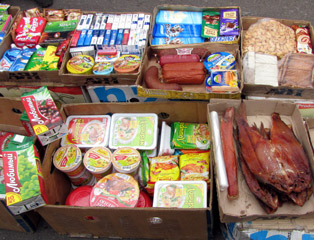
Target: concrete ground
<point>287,9</point>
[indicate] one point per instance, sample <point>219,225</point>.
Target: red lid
<point>79,197</point>
<point>144,200</point>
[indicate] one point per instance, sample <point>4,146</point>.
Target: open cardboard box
<point>97,79</point>
<point>246,207</point>
<point>193,9</point>
<point>154,223</point>
<point>189,91</point>
<point>280,91</point>
<point>11,110</point>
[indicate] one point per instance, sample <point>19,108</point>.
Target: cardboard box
<point>189,91</point>
<point>154,223</point>
<point>246,207</point>
<point>11,110</point>
<point>193,9</point>
<point>92,79</point>
<point>267,90</point>
<point>119,93</point>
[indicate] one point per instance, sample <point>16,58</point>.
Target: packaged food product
<point>68,159</point>
<point>53,15</point>
<point>178,59</point>
<point>136,130</point>
<point>33,12</point>
<point>44,115</point>
<point>61,26</point>
<point>84,178</point>
<point>190,135</point>
<point>144,200</point>
<point>22,59</point>
<point>5,22</point>
<point>220,60</point>
<point>106,58</point>
<point>143,171</point>
<point>27,39</point>
<point>9,58</point>
<point>165,139</point>
<point>5,138</point>
<point>222,81</point>
<point>296,70</point>
<point>87,131</point>
<point>194,166</point>
<point>72,14</point>
<point>24,184</point>
<point>36,60</point>
<point>103,68</point>
<point>304,43</point>
<point>270,37</point>
<point>180,194</point>
<point>126,160</point>
<point>31,25</point>
<point>50,60</point>
<point>115,190</point>
<point>127,64</point>
<point>229,22</point>
<point>79,197</point>
<point>178,24</point>
<point>80,64</point>
<point>164,168</point>
<point>210,24</point>
<point>98,160</point>
<point>176,40</point>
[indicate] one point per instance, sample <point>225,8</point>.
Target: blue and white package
<point>178,24</point>
<point>100,39</point>
<point>88,38</point>
<point>220,60</point>
<point>81,40</point>
<point>22,59</point>
<point>107,38</point>
<point>95,37</point>
<point>163,40</point>
<point>9,58</point>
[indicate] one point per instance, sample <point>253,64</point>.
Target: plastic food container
<point>103,68</point>
<point>91,182</point>
<point>180,194</point>
<point>144,200</point>
<point>115,190</point>
<point>79,197</point>
<point>165,140</point>
<point>127,64</point>
<point>126,160</point>
<point>83,179</point>
<point>97,161</point>
<point>80,64</point>
<point>220,60</point>
<point>87,131</point>
<point>136,130</point>
<point>68,159</point>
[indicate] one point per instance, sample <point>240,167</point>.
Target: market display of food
<point>141,157</point>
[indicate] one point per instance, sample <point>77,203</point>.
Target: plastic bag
<point>271,37</point>
<point>297,70</point>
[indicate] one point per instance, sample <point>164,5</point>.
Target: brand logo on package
<point>32,109</point>
<point>184,51</point>
<point>12,183</point>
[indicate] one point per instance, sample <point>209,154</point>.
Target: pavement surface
<point>286,9</point>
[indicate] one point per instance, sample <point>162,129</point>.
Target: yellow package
<point>194,166</point>
<point>164,168</point>
<point>50,60</point>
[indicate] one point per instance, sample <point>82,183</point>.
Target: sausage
<point>152,81</point>
<point>183,67</point>
<point>183,73</point>
<point>179,59</point>
<point>201,52</point>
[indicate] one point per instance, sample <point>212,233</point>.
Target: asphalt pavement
<point>286,9</point>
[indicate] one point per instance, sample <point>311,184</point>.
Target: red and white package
<point>31,24</point>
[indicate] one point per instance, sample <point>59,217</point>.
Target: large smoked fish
<point>229,152</point>
<point>277,159</point>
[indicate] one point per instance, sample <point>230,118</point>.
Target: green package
<point>210,24</point>
<point>61,26</point>
<point>50,60</point>
<point>190,136</point>
<point>35,60</point>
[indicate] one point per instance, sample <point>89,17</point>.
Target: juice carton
<point>44,115</point>
<point>24,184</point>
